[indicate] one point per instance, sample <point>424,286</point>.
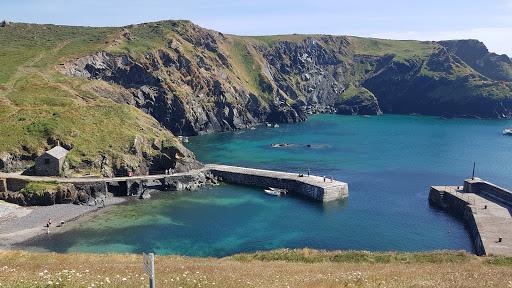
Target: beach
<point>19,224</point>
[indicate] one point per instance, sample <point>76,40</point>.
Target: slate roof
<point>57,152</point>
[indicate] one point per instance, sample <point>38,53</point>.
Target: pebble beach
<point>19,224</point>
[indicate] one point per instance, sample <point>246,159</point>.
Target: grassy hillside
<point>284,268</point>
<point>39,105</point>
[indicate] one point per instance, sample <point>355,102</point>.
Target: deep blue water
<point>388,161</point>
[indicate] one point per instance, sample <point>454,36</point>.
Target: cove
<point>388,161</point>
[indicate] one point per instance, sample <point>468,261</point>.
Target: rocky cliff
<point>198,81</point>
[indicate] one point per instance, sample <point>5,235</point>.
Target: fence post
<point>149,267</point>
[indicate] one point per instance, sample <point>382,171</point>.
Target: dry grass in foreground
<point>281,268</point>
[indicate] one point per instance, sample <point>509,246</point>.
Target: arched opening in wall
<point>117,188</point>
<point>134,189</point>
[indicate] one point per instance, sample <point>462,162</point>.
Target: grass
<point>315,256</point>
<point>283,268</point>
<point>246,65</point>
<point>353,91</point>
<point>402,49</point>
<point>38,188</point>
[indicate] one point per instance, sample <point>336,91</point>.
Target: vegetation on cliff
<point>40,106</point>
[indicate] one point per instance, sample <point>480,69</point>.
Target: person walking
<point>48,224</point>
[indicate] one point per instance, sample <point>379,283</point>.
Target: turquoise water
<point>388,161</point>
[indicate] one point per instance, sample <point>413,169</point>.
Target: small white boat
<point>276,191</point>
<point>185,139</point>
<point>269,125</point>
<point>276,125</point>
<point>507,131</point>
<point>272,192</point>
<point>282,191</point>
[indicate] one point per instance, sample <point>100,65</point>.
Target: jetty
<point>312,187</point>
<point>485,209</point>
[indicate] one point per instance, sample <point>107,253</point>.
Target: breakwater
<point>92,188</point>
<point>312,187</point>
<point>484,208</point>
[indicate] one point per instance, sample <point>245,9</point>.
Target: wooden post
<point>149,267</point>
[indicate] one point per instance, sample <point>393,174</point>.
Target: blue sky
<point>489,21</point>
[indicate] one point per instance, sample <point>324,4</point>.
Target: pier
<point>485,209</point>
<point>312,187</point>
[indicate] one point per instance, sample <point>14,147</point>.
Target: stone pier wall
<point>14,184</point>
<point>479,186</point>
<point>311,187</point>
<point>3,185</point>
<point>461,210</point>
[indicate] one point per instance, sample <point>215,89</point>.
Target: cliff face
<point>194,80</point>
<point>197,82</point>
<point>476,55</point>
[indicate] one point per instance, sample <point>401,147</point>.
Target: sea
<point>389,163</point>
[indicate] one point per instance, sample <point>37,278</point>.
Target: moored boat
<point>507,131</point>
<point>275,191</point>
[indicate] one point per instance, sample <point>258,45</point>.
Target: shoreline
<point>33,219</point>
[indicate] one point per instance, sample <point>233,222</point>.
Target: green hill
<point>40,106</point>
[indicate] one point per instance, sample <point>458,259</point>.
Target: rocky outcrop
<point>11,162</point>
<point>358,101</point>
<point>441,84</point>
<point>476,55</point>
<point>187,97</point>
<point>61,194</point>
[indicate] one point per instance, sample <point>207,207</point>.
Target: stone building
<point>50,163</point>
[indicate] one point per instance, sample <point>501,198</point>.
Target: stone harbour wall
<point>461,210</point>
<point>312,187</point>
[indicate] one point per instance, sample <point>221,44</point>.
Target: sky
<point>489,21</point>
